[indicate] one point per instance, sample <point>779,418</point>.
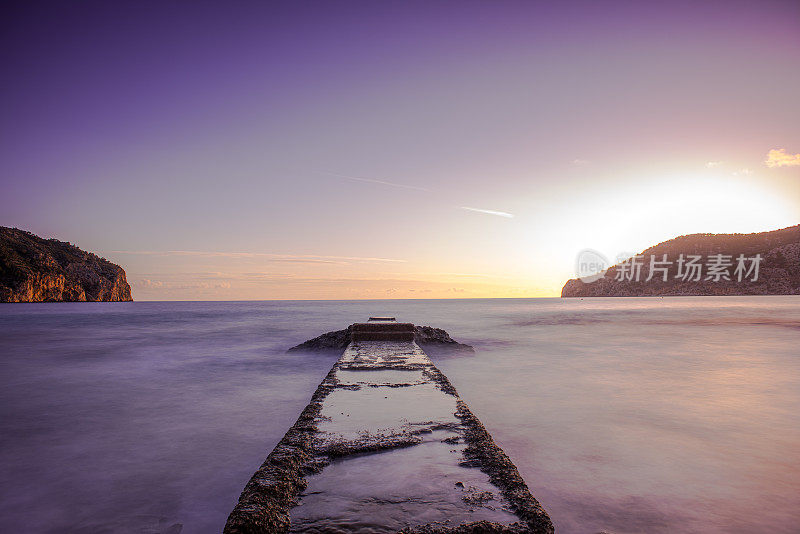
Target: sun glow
<point>679,205</point>
<point>631,217</point>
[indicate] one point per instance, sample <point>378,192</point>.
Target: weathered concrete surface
<point>431,339</point>
<point>382,330</point>
<point>386,445</point>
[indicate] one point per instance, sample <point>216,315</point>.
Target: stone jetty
<point>386,445</point>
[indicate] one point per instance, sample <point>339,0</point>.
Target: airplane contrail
<point>373,181</point>
<point>489,212</point>
<point>415,188</point>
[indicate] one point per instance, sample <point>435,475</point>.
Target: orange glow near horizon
<point>531,255</point>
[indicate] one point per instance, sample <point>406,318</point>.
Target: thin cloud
<point>373,181</point>
<point>464,275</point>
<point>298,258</point>
<point>779,158</point>
<point>157,280</point>
<point>308,260</point>
<point>489,212</point>
<point>146,282</point>
<point>159,284</point>
<point>712,164</point>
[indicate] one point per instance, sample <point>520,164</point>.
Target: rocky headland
<point>778,272</point>
<point>33,269</point>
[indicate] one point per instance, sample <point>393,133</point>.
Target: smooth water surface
<point>623,415</point>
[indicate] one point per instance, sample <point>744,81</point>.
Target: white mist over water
<point>624,415</point>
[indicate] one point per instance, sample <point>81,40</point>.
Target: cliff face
<point>779,270</point>
<point>33,269</point>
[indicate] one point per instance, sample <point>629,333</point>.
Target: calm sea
<point>623,415</point>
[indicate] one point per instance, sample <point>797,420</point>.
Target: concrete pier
<point>386,445</point>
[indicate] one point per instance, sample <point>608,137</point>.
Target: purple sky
<point>328,150</point>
